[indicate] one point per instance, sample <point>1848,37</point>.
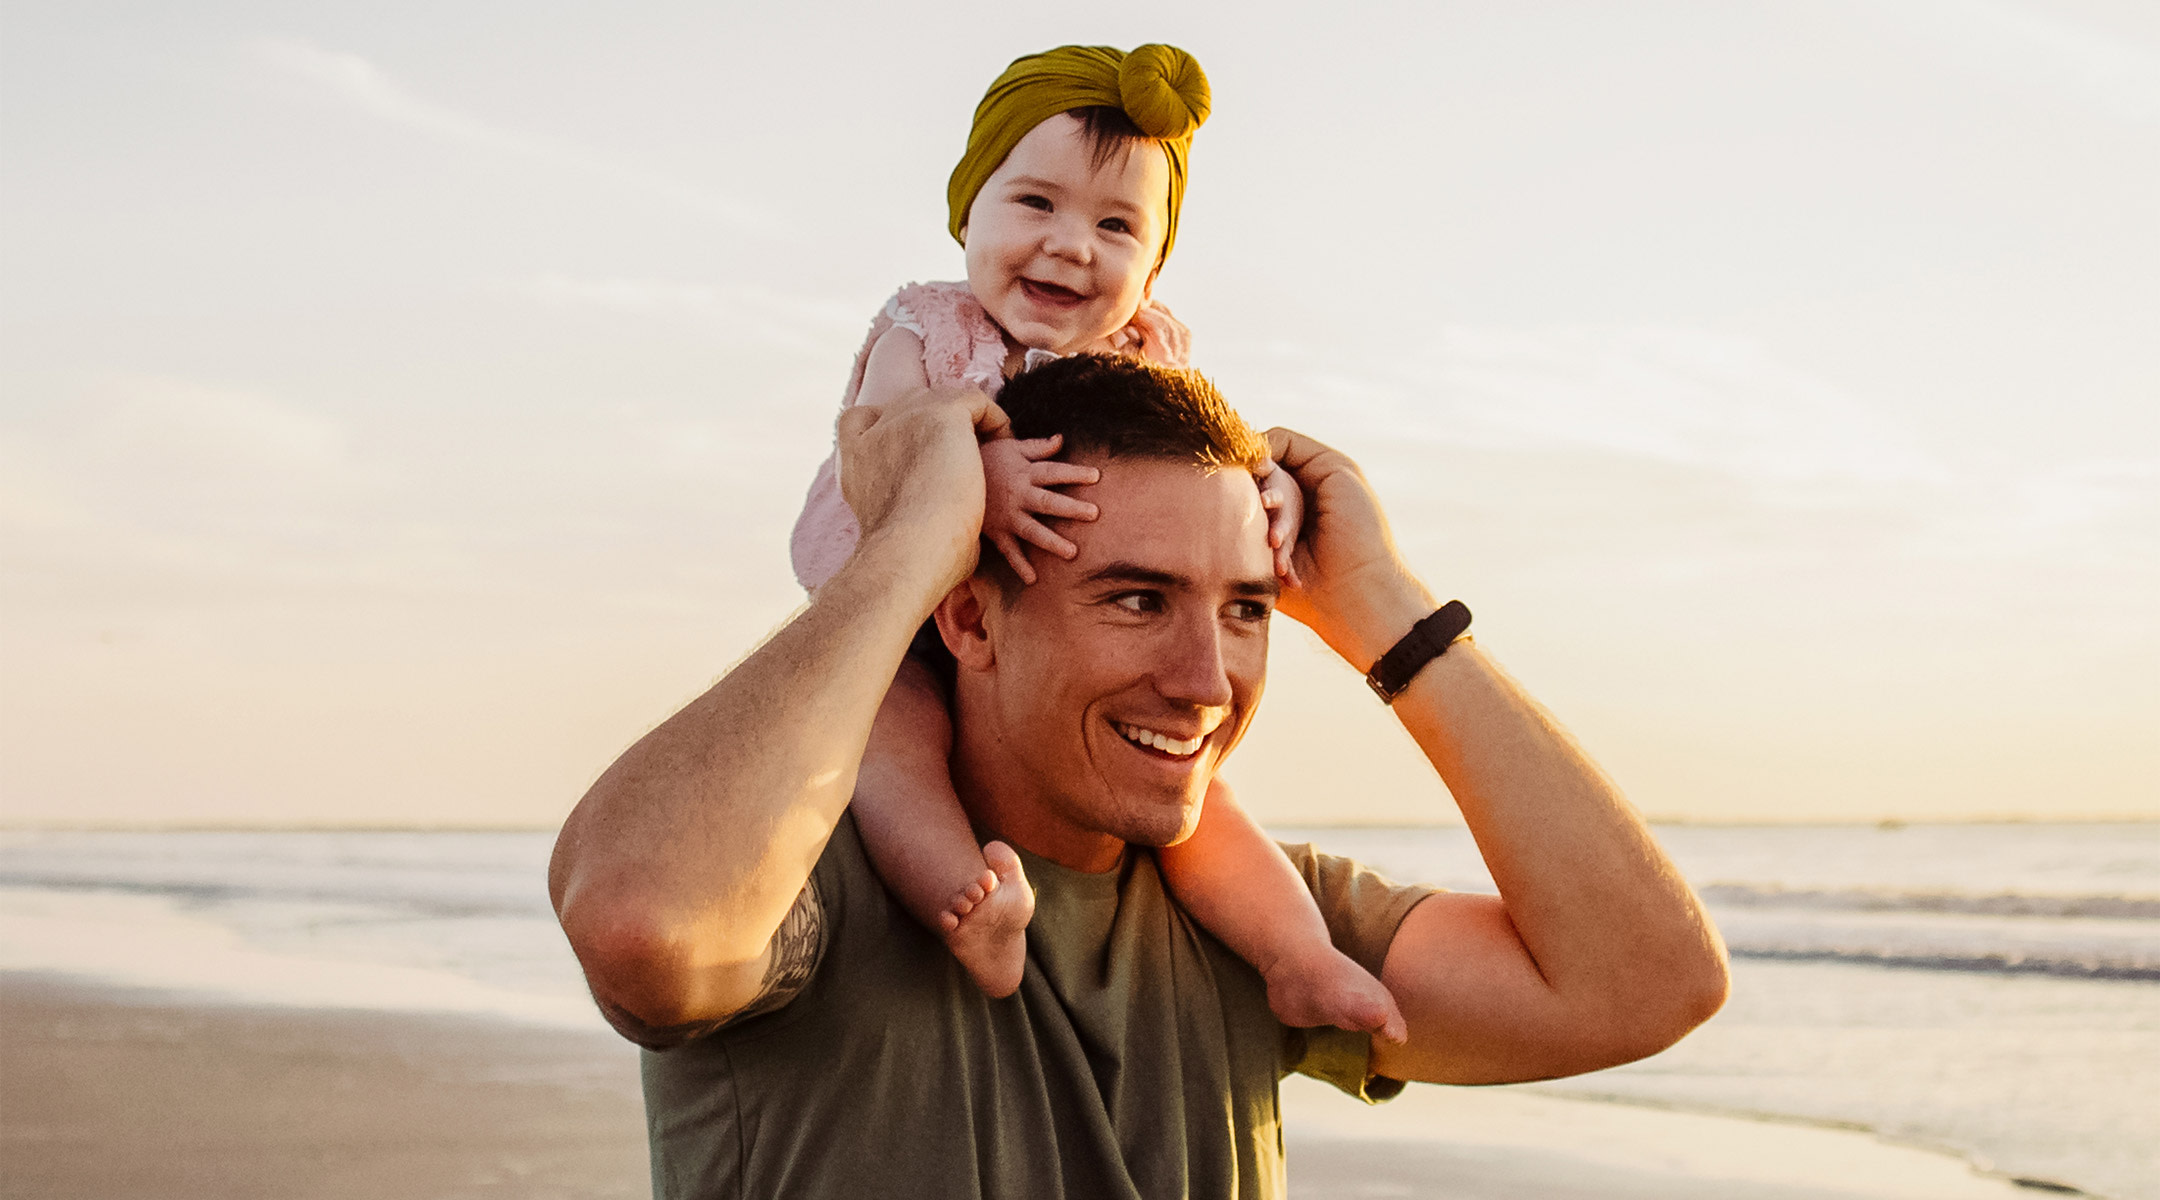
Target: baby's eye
<point>1115,224</point>
<point>1032,201</point>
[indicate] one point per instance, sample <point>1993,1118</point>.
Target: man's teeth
<point>1150,738</point>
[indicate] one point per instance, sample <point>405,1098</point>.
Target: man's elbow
<point>1674,1002</point>
<point>653,974</point>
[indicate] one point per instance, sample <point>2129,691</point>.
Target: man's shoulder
<point>1362,907</point>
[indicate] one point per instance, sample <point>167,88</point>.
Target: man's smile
<point>1161,743</point>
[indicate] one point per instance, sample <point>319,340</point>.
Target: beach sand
<point>127,1094</point>
<point>112,1094</point>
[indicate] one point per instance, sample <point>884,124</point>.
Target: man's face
<point>1124,677</point>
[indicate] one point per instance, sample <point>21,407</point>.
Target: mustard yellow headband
<point>1160,87</point>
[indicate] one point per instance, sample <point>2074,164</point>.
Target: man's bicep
<point>1478,1008</point>
<point>790,958</point>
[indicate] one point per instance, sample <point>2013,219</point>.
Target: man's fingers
<point>1035,533</point>
<point>1058,504</point>
<point>1295,452</point>
<point>857,420</point>
<point>990,420</point>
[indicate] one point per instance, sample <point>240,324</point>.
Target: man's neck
<point>1006,803</point>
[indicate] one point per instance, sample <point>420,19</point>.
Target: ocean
<point>1988,990</point>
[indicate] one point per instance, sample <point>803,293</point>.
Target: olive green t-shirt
<point>1138,1058</point>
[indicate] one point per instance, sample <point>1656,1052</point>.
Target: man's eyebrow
<point>1134,574</point>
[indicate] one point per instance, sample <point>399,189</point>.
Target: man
<point>808,1038</point>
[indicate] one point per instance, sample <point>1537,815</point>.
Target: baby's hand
<point>1285,504</point>
<point>1017,481</point>
<point>1154,334</point>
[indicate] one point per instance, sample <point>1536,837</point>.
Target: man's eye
<point>1250,610</point>
<point>1138,602</point>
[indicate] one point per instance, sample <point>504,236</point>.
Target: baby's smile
<point>1052,293</point>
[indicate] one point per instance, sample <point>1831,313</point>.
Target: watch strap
<point>1426,641</point>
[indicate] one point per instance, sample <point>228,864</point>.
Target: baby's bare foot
<point>1326,987</point>
<point>986,927</point>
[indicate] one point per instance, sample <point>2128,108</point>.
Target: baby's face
<point>1062,252</point>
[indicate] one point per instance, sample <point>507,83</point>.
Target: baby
<point>1066,203</point>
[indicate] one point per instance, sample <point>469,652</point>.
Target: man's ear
<point>964,618</point>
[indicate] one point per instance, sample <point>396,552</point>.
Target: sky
<point>403,407</point>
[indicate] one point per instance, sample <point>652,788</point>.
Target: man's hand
<point>911,471</point>
<point>1594,952</point>
<point>1353,588</point>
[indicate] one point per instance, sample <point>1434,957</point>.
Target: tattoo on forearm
<point>796,948</point>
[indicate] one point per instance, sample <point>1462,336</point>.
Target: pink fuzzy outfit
<point>962,347</point>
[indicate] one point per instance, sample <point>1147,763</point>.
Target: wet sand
<point>109,1094</point>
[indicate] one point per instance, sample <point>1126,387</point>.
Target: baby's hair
<point>1109,132</point>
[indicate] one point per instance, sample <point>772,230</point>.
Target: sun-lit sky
<point>403,406</point>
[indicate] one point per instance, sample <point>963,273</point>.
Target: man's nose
<point>1192,669</point>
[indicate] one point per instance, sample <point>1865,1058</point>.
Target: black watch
<point>1426,641</point>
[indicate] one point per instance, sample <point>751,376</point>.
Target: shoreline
<point>106,1092</point>
<point>34,825</point>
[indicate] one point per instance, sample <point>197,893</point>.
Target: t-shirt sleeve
<point>1363,909</point>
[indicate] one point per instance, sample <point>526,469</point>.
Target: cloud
<point>360,84</point>
<point>181,422</point>
<point>1683,397</point>
<point>757,313</point>
<point>2024,45</point>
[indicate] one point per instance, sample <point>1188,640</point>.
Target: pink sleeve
<point>825,533</point>
<point>962,347</point>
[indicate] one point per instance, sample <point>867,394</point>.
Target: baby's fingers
<point>1015,555</point>
<point>1036,449</point>
<point>1038,534</point>
<point>1285,571</point>
<point>1058,504</point>
<point>1061,474</point>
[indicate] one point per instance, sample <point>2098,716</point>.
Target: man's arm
<point>1595,952</point>
<point>673,874</point>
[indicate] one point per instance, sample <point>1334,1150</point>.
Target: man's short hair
<point>1120,407</point>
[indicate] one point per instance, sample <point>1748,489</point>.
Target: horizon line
<point>1884,823</point>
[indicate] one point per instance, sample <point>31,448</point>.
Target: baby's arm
<point>1237,882</point>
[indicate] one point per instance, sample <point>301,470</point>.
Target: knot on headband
<point>1160,87</point>
<point>1164,91</point>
